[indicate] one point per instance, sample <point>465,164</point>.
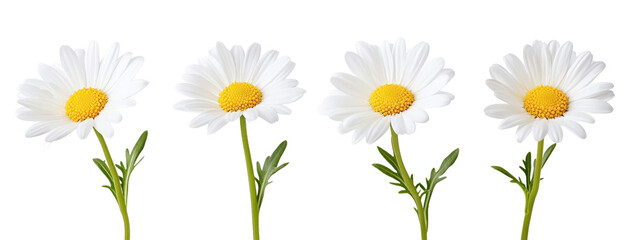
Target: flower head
<point>84,92</point>
<point>390,86</point>
<point>228,84</point>
<point>553,88</point>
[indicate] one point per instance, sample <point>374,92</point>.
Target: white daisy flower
<point>81,93</point>
<point>389,87</point>
<point>228,84</point>
<point>552,89</point>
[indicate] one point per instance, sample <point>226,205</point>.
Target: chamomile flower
<point>83,92</point>
<point>390,86</point>
<point>553,88</point>
<point>228,84</point>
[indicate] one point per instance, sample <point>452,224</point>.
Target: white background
<point>193,185</point>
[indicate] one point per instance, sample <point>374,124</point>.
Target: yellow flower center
<point>546,102</point>
<point>85,103</point>
<point>239,96</point>
<point>391,99</point>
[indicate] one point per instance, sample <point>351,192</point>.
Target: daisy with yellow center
<point>229,85</point>
<point>84,93</point>
<point>551,90</point>
<point>390,88</point>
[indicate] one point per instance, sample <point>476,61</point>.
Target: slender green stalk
<point>116,183</point>
<point>534,192</point>
<point>409,184</point>
<point>252,181</point>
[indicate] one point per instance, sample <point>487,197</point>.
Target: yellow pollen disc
<point>85,103</point>
<point>546,102</point>
<point>391,99</point>
<point>239,96</point>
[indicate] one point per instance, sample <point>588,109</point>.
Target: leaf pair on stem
<point>424,190</point>
<point>126,168</point>
<point>528,168</point>
<point>270,167</point>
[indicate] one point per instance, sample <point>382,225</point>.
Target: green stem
<point>252,180</point>
<point>534,192</point>
<point>409,183</point>
<point>116,183</point>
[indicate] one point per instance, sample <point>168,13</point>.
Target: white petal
<point>523,130</point>
<point>591,106</point>
<point>237,52</point>
<point>232,116</point>
<point>358,121</point>
<point>103,126</point>
<point>121,103</point>
<point>416,58</point>
<point>438,100</point>
<point>507,80</point>
<point>438,83</point>
<point>267,114</point>
<point>378,129</point>
<point>428,72</point>
<point>226,61</point>
<point>129,73</point>
<point>38,116</point>
<point>194,91</point>
<point>204,118</point>
<point>41,105</point>
<point>251,114</point>
<point>503,93</point>
<point>579,116</point>
<point>60,132</point>
<point>56,79</point>
<point>108,65</point>
<point>398,124</point>
<point>111,115</point>
<point>592,72</point>
<point>71,66</point>
<point>126,90</point>
<point>591,91</point>
<point>515,120</point>
<point>501,110</point>
<point>540,129</point>
<point>358,67</point>
<point>561,63</point>
<point>417,115</point>
<point>281,109</point>
<point>197,105</point>
<point>400,53</point>
<point>409,124</point>
<point>40,128</point>
<point>555,130</point>
<point>84,128</point>
<point>267,60</point>
<point>282,96</point>
<point>216,125</point>
<point>517,69</point>
<point>275,72</point>
<point>574,127</point>
<point>576,72</point>
<point>92,64</point>
<point>351,85</point>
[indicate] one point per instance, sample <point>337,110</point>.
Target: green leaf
<point>547,153</point>
<point>505,172</point>
<point>137,148</point>
<point>513,179</point>
<point>388,172</point>
<point>269,167</point>
<point>390,159</point>
<point>448,161</point>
